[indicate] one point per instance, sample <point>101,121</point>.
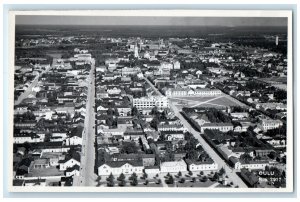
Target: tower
<point>136,51</point>
<point>276,40</point>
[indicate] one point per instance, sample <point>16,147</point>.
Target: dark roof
<point>25,134</point>
<point>68,180</point>
<point>16,158</point>
<point>44,145</point>
<point>170,132</point>
<point>75,167</point>
<point>72,154</point>
<point>25,162</point>
<point>21,172</point>
<point>233,159</point>
<point>35,180</point>
<point>76,131</point>
<point>216,124</point>
<point>151,167</point>
<point>209,161</point>
<point>132,156</point>
<point>250,177</point>
<point>18,182</point>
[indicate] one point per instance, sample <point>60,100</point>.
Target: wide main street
<point>231,173</point>
<point>87,175</point>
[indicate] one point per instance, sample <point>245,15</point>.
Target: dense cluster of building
<point>48,124</point>
<point>138,80</point>
<point>136,131</point>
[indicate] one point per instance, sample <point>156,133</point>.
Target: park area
<point>222,101</point>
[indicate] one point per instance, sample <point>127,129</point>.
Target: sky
<point>166,21</point>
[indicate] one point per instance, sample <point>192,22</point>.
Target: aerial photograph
<point>152,102</point>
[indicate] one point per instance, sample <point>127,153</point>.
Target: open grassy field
<point>225,101</point>
<point>217,102</point>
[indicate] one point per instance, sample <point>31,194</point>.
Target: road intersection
<point>231,173</point>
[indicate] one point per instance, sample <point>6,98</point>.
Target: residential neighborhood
<point>150,111</point>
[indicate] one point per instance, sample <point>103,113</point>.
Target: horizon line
<point>153,25</point>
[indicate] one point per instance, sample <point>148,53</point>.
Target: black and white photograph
<point>151,101</point>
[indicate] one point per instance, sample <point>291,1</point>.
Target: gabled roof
<point>71,169</point>
<point>189,162</point>
<point>117,164</point>
<point>216,124</point>
<point>250,177</point>
<point>73,155</point>
<point>76,131</point>
<point>173,163</point>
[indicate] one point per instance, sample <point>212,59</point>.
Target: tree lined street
<point>221,163</point>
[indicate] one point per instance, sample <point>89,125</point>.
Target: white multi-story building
<point>160,102</point>
<point>166,65</point>
<point>176,65</point>
<point>252,165</point>
<point>118,167</point>
<point>83,57</point>
<point>64,164</point>
<point>269,124</point>
<point>176,92</point>
<point>182,92</point>
<point>130,71</point>
<point>21,138</point>
<point>201,166</point>
<point>197,85</point>
<point>173,166</point>
<point>114,90</point>
<point>223,127</point>
<point>207,92</point>
<point>74,140</point>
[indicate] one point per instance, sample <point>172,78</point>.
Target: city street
<point>187,99</point>
<point>153,87</point>
<point>87,175</point>
<point>221,163</point>
<point>33,84</point>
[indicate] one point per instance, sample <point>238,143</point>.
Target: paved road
<point>221,163</point>
<point>33,84</point>
<point>87,175</point>
<point>153,87</point>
